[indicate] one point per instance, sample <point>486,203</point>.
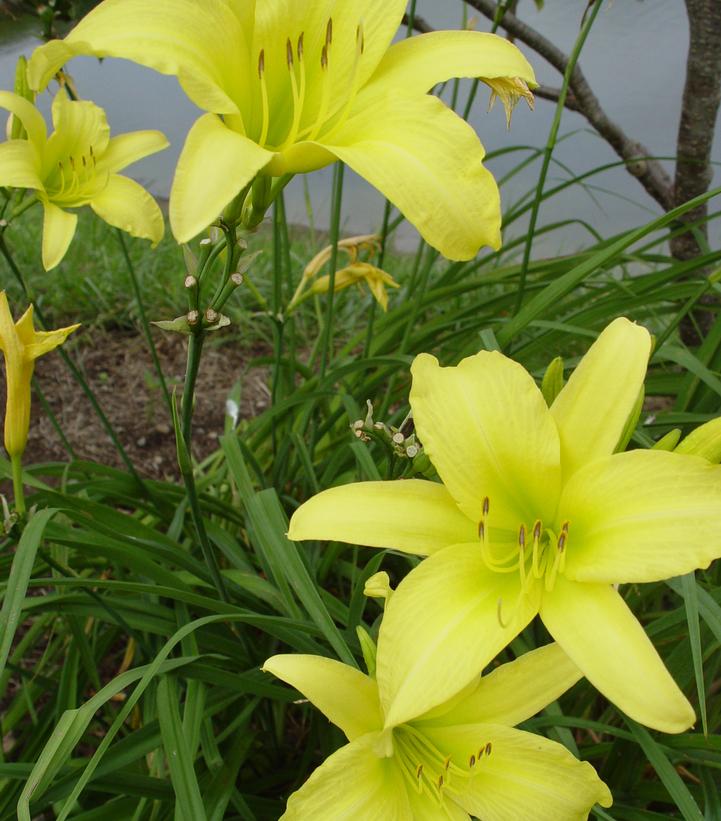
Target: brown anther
<point>522,536</point>
<point>488,748</point>
<point>329,32</point>
<point>92,153</point>
<point>564,527</point>
<point>447,763</point>
<point>537,531</point>
<point>472,761</point>
<point>360,38</point>
<point>562,541</point>
<point>486,505</point>
<point>289,53</point>
<point>419,771</point>
<point>440,782</point>
<point>261,64</point>
<point>481,530</point>
<point>72,163</point>
<point>324,57</point>
<point>85,162</point>
<point>300,45</point>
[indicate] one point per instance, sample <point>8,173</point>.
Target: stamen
<point>522,554</point>
<point>297,92</point>
<point>472,761</point>
<point>535,565</point>
<point>265,122</point>
<point>355,80</point>
<point>488,748</point>
<point>440,782</point>
<point>486,505</point>
<point>419,771</point>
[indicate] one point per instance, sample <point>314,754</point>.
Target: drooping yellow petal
<point>512,692</point>
<point>642,516</point>
<point>28,115</point>
<point>486,428</point>
<point>416,64</point>
<point>178,37</point>
<point>125,204</point>
<point>58,232</point>
<point>428,162</point>
<point>354,783</point>
<point>343,694</point>
<point>521,776</point>
<point>19,165</point>
<point>592,408</point>
<point>442,625</point>
<point>126,149</point>
<point>594,626</point>
<point>215,164</point>
<point>411,515</point>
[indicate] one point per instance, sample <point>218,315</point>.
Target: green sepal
<point>368,648</point>
<point>553,380</point>
<point>669,441</point>
<point>179,325</point>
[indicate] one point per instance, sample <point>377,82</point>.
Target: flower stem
<point>18,490</point>
<point>334,236</point>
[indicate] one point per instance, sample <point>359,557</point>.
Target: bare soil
<point>119,369</point>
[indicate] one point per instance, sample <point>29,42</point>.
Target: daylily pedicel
<point>76,166</point>
<point>463,758</point>
<point>290,87</point>
<point>536,514</point>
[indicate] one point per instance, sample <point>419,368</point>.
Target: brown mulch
<point>119,369</point>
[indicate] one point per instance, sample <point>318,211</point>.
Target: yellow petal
<point>46,341</point>
<point>19,165</point>
<point>28,115</point>
<point>512,692</point>
<point>353,784</point>
<point>594,626</point>
<point>592,408</point>
<point>704,441</point>
<point>416,64</point>
<point>411,515</point>
<point>428,162</point>
<point>125,204</point>
<point>58,232</point>
<point>486,428</point>
<point>523,777</point>
<point>441,627</point>
<point>642,516</point>
<point>203,44</point>
<point>214,166</point>
<point>126,149</point>
<point>343,694</point>
<point>79,126</point>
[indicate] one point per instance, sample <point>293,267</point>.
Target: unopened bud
<point>378,586</point>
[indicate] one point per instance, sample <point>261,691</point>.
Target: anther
<point>537,527</point>
<point>85,162</point>
<point>419,771</point>
<point>522,537</point>
<point>329,32</point>
<point>447,763</point>
<point>324,58</point>
<point>261,64</point>
<point>481,530</point>
<point>440,782</point>
<point>472,761</point>
<point>289,53</point>
<point>486,505</point>
<point>300,45</point>
<point>562,541</point>
<point>488,748</point>
<point>360,38</point>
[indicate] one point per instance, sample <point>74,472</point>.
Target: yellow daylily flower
<point>356,274</point>
<point>21,345</point>
<point>459,760</point>
<point>76,166</point>
<point>536,514</point>
<point>290,87</point>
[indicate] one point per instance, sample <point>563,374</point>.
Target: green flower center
<point>427,770</point>
<point>74,177</point>
<point>538,553</point>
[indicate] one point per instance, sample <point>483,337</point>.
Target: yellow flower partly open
<point>21,345</point>
<point>462,759</point>
<point>293,86</point>
<point>537,513</point>
<point>76,166</point>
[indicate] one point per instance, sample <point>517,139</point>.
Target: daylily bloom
<point>76,166</point>
<point>536,514</point>
<point>21,345</point>
<point>293,86</point>
<point>357,273</point>
<point>462,758</point>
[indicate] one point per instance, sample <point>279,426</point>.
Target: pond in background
<point>634,60</point>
